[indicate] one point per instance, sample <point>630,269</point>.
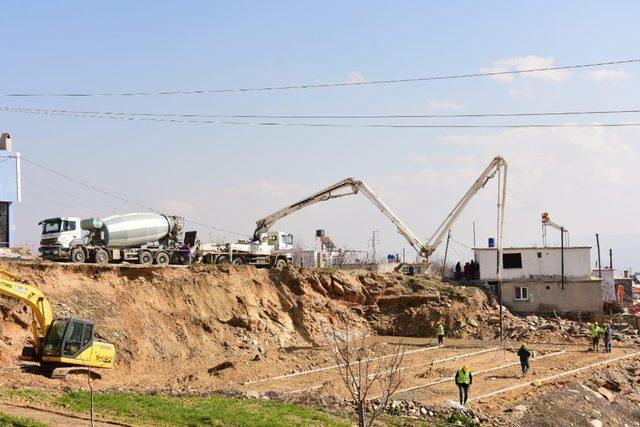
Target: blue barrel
<point>492,242</point>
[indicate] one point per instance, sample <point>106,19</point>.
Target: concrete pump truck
<point>351,186</point>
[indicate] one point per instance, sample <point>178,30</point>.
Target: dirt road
<point>52,417</point>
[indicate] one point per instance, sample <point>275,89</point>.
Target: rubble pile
<point>609,397</point>
<point>532,327</point>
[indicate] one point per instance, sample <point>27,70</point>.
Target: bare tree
<point>364,369</point>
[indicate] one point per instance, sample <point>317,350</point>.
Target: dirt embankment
<point>172,326</point>
<point>213,327</point>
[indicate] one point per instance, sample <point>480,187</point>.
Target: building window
<point>4,224</point>
<point>512,260</point>
<point>521,293</point>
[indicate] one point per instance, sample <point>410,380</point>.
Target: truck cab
<point>278,241</point>
<point>58,235</point>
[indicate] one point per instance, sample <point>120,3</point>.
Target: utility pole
<point>374,241</point>
<point>502,197</point>
<point>611,258</point>
<point>446,250</point>
<point>599,263</point>
<point>475,258</point>
<point>562,256</point>
<point>474,234</point>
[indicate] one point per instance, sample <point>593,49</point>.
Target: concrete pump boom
<point>34,298</point>
<point>333,192</point>
<point>498,165</point>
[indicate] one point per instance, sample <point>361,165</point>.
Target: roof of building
<point>554,279</point>
<point>539,248</point>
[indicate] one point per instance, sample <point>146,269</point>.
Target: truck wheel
<point>162,258</point>
<point>145,258</point>
<point>78,256</point>
<point>223,259</point>
<point>101,256</point>
<point>237,261</point>
<point>281,263</point>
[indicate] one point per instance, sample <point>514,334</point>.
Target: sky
<point>228,176</point>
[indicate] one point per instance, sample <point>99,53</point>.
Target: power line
<point>327,85</point>
<point>92,187</point>
<point>324,116</point>
<point>317,125</point>
<point>461,244</point>
<point>108,193</point>
<point>56,190</point>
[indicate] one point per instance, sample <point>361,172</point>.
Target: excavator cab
<point>71,341</point>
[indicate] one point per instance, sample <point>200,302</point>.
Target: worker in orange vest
<point>620,294</point>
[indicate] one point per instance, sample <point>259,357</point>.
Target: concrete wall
<point>10,186</point>
<point>546,297</point>
<point>608,283</point>
<point>577,263</point>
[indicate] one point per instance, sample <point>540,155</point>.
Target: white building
<point>533,263</point>
<point>545,280</point>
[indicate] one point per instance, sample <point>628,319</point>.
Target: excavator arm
<point>17,288</point>
<point>352,187</point>
<point>497,166</point>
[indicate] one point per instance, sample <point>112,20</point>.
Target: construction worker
<point>440,334</point>
<point>607,338</point>
<point>463,380</point>
<point>458,271</point>
<point>620,292</point>
<point>595,336</point>
<point>524,354</point>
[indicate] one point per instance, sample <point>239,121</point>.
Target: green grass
<point>11,421</point>
<point>325,270</point>
<point>206,411</point>
<point>29,394</point>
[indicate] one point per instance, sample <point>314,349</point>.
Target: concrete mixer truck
<point>143,238</point>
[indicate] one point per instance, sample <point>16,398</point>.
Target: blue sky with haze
<point>231,175</point>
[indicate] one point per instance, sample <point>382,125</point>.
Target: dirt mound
<point>173,326</point>
<point>209,327</point>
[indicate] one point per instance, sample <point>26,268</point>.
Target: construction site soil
<point>266,334</point>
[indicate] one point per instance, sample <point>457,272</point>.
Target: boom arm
<point>34,298</point>
<point>498,165</point>
<point>333,192</point>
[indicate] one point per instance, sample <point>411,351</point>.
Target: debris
<point>455,405</point>
<point>518,408</point>
<point>593,392</point>
<point>220,367</point>
<point>606,393</point>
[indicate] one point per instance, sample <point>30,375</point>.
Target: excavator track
<point>61,373</point>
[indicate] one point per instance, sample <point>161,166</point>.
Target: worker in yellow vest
<point>463,379</point>
<point>440,334</point>
<point>595,336</point>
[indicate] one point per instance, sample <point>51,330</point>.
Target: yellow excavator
<point>61,345</point>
